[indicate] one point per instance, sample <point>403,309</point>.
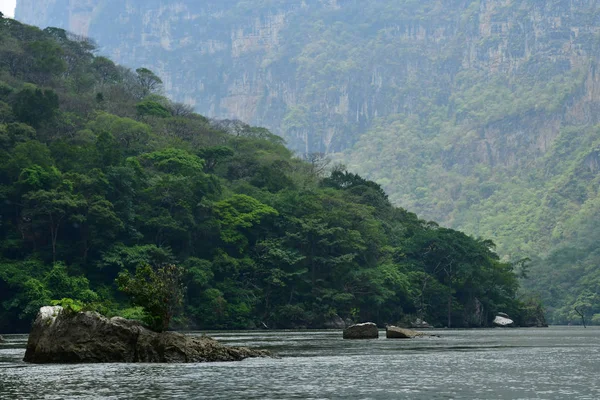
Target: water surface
<point>554,363</point>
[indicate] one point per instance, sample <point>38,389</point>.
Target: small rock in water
<point>503,321</point>
<point>420,324</point>
<point>394,332</point>
<point>368,330</point>
<point>88,337</point>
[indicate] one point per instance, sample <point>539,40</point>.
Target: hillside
<point>102,177</point>
<point>479,114</point>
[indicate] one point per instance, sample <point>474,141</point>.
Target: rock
<point>420,324</point>
<point>60,337</point>
<point>368,330</point>
<point>503,321</point>
<point>335,322</point>
<point>394,332</point>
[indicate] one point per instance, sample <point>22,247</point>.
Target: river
<point>553,363</point>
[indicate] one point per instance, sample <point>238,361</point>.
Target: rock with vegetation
<point>394,332</point>
<point>59,336</point>
<point>367,330</point>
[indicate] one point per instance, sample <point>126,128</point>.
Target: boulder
<point>394,332</point>
<point>61,337</point>
<point>420,324</point>
<point>335,322</point>
<point>368,330</point>
<point>503,321</point>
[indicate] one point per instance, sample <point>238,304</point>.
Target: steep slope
<point>476,113</point>
<point>108,189</point>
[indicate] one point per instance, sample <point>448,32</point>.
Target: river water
<point>554,363</point>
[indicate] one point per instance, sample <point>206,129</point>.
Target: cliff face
<point>450,105</point>
<point>320,71</point>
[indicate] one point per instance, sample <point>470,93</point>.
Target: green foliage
<point>148,81</point>
<point>238,215</point>
<point>69,305</point>
<point>158,290</point>
<point>215,222</point>
<point>153,109</point>
<point>35,106</point>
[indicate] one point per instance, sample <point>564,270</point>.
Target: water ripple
<point>555,363</point>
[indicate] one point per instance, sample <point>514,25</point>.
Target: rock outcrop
<point>88,337</point>
<point>368,330</point>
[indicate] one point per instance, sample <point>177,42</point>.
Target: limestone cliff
<point>320,71</point>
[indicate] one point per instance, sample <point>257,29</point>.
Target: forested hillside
<point>479,114</point>
<point>101,176</point>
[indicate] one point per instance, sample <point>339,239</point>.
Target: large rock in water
<point>60,337</point>
<point>368,330</point>
<point>394,332</point>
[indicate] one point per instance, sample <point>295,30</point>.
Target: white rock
<point>502,321</point>
<point>49,313</point>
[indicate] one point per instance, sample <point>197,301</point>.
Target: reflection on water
<point>555,363</point>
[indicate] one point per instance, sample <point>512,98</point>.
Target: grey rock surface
<point>88,337</point>
<point>394,332</point>
<point>367,330</point>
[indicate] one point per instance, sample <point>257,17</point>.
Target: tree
<point>149,82</point>
<point>47,60</point>
<point>48,209</point>
<point>238,215</point>
<point>584,305</point>
<point>106,70</point>
<point>212,156</point>
<point>148,108</point>
<point>158,290</point>
<point>35,106</point>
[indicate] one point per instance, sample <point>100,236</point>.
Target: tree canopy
<point>106,185</point>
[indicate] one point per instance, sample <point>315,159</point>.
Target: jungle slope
<point>100,174</point>
<point>479,114</point>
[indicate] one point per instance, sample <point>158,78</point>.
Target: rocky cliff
<point>321,71</point>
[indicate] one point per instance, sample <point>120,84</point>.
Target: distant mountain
<point>480,114</point>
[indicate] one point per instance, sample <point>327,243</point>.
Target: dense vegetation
<point>105,185</point>
<point>477,114</point>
